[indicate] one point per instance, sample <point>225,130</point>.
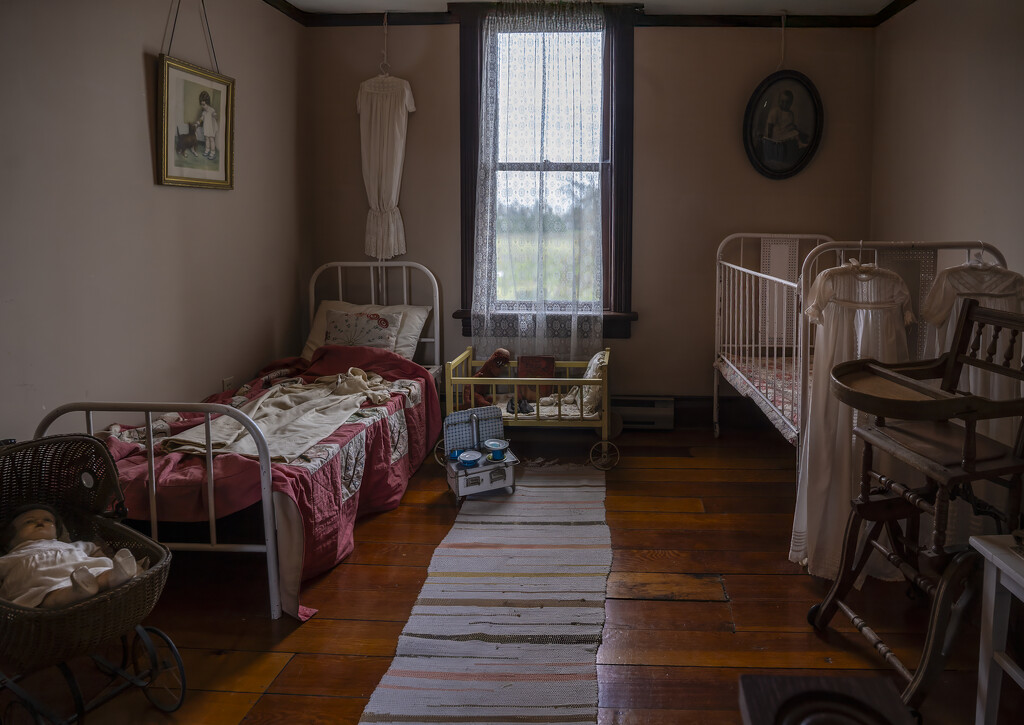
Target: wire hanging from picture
<point>204,22</point>
<point>782,53</point>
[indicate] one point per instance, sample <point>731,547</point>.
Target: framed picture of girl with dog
<point>196,126</point>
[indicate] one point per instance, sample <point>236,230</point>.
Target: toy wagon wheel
<point>604,455</point>
<point>18,712</point>
<point>156,660</point>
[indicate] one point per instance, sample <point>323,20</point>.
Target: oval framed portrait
<point>782,124</point>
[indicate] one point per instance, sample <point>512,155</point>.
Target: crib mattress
<point>773,388</point>
<point>548,413</point>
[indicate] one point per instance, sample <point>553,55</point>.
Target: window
<point>548,171</point>
<point>542,182</point>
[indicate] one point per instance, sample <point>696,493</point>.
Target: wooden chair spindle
<point>979,330</point>
<point>1010,347</point>
<point>990,354</point>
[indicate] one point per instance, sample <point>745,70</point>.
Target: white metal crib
<point>763,341</point>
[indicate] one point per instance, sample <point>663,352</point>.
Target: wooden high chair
<point>914,423</point>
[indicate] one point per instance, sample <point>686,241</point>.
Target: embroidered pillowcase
<point>413,319</point>
<point>368,329</point>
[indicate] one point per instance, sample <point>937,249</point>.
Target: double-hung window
<point>554,186</point>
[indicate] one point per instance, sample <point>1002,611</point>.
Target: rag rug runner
<point>507,626</point>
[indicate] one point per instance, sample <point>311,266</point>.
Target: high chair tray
<point>879,389</point>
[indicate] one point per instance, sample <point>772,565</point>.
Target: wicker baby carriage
<point>75,475</point>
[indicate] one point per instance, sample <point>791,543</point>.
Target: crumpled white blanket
<point>293,416</point>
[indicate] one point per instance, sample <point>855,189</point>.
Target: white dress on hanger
<point>384,103</point>
<point>1001,289</point>
<point>860,311</point>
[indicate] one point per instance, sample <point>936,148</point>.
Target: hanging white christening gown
<point>1001,289</point>
<point>384,104</point>
<point>859,311</point>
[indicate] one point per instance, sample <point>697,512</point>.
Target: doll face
<point>34,525</point>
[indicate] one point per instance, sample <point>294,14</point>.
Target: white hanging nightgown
<point>860,311</point>
<point>384,104</point>
<point>998,288</point>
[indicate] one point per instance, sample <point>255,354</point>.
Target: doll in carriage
<point>40,570</point>
<point>103,579</point>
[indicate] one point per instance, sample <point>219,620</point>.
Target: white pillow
<point>592,394</point>
<point>368,329</point>
<point>413,319</point>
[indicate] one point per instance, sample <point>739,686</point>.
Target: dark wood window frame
<point>618,189</point>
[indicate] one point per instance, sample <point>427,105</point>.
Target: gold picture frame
<point>196,126</point>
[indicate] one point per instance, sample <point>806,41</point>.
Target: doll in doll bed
<point>40,569</point>
<point>553,405</point>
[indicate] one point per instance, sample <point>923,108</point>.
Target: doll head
<point>32,522</point>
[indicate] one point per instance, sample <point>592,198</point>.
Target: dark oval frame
<point>775,159</point>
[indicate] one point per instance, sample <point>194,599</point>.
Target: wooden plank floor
<point>700,593</point>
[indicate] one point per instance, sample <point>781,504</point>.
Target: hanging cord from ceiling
<point>385,68</point>
<point>782,54</point>
<point>208,35</point>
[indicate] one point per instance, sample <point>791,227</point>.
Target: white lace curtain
<point>537,283</point>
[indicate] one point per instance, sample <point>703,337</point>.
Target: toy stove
<point>477,458</point>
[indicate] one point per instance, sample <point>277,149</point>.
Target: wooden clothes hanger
<point>977,260</point>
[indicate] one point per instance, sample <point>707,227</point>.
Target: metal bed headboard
<point>812,265</point>
<point>378,274</point>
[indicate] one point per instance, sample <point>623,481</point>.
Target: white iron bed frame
<point>280,515</point>
<point>763,342</point>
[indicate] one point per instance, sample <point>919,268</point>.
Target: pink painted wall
<point>337,61</point>
<point>693,182</point>
<point>949,151</point>
<point>114,287</point>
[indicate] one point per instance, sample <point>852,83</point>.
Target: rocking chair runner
<point>951,457</point>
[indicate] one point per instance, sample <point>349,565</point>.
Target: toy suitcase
<point>466,430</point>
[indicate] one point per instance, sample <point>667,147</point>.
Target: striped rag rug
<point>507,625</point>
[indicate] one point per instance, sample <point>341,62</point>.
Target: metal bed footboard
<point>270,545</point>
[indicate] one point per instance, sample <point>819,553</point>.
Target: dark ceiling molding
<point>364,19</point>
<point>299,16</point>
<point>755,21</point>
<point>891,9</point>
<point>328,20</point>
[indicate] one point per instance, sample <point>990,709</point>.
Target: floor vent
<point>645,411</point>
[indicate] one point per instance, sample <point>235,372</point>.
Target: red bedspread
<point>363,467</point>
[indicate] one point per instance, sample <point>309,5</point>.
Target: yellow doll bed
<point>577,397</point>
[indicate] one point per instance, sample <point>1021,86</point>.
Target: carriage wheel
<point>604,455</point>
<point>156,660</point>
<point>19,712</point>
<point>439,453</point>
